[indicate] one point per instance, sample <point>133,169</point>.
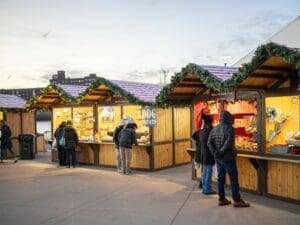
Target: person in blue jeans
<point>206,158</point>
<point>221,143</point>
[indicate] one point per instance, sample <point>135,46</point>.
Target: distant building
<point>60,78</point>
<point>25,93</point>
<point>288,36</point>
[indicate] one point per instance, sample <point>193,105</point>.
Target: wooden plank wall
<point>283,179</point>
<point>140,158</point>
<point>163,129</point>
<point>28,123</point>
<point>40,143</point>
<point>107,155</point>
<point>14,122</point>
<point>163,155</point>
<point>87,154</point>
<point>181,155</point>
<point>247,174</point>
<point>182,122</point>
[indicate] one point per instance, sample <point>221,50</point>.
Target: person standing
<point>206,158</point>
<point>221,144</point>
<point>6,140</point>
<point>60,149</point>
<point>126,139</point>
<point>117,147</point>
<point>197,159</point>
<point>71,141</point>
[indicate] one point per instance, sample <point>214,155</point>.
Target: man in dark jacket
<point>71,141</point>
<point>221,145</point>
<point>126,139</point>
<point>60,149</point>
<point>6,140</point>
<point>117,147</point>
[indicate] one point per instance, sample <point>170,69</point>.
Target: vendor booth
<point>264,98</point>
<point>163,133</point>
<point>19,121</point>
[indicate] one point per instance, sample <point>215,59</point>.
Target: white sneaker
<point>119,170</point>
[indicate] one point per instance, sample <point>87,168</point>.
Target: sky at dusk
<point>129,39</point>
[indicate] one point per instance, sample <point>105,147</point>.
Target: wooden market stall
<point>163,133</point>
<point>19,121</point>
<point>265,91</point>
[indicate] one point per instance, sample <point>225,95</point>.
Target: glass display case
<point>134,112</point>
<point>283,125</point>
<point>109,117</point>
<point>245,123</point>
<point>83,122</point>
<point>61,115</point>
<point>245,120</point>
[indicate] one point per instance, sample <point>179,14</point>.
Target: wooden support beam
<point>280,82</point>
<point>265,75</point>
<point>276,69</point>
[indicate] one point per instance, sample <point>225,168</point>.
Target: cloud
<point>254,30</point>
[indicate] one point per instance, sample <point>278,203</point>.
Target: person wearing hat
<point>206,158</point>
<point>116,135</point>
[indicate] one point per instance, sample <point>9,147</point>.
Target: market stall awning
<point>273,67</point>
<point>11,103</point>
<point>194,80</point>
<point>55,95</point>
<point>114,91</point>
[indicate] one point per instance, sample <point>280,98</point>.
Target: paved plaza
<point>38,192</point>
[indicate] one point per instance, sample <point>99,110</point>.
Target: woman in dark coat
<point>60,149</point>
<point>6,140</point>
<point>71,141</point>
<point>206,158</point>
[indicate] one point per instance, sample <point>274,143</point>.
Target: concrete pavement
<point>40,193</point>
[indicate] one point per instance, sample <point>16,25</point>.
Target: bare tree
<point>165,75</point>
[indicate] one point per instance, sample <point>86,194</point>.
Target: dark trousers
<point>61,155</point>
<point>71,154</point>
<point>9,149</point>
<point>228,166</point>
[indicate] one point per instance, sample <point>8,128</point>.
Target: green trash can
<point>26,146</point>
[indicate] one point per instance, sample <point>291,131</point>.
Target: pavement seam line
<point>183,204</point>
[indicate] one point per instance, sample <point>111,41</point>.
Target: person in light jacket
<point>126,139</point>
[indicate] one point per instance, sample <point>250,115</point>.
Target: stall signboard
<point>149,116</point>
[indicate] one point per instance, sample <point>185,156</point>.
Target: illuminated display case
<point>283,125</point>
<point>61,115</point>
<point>135,112</point>
<point>245,120</point>
<point>83,122</point>
<point>109,117</point>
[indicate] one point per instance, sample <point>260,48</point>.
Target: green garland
<point>115,88</point>
<point>31,103</point>
<point>262,53</point>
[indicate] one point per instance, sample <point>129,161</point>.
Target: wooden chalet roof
<point>115,91</point>
<point>274,67</point>
<point>55,95</point>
